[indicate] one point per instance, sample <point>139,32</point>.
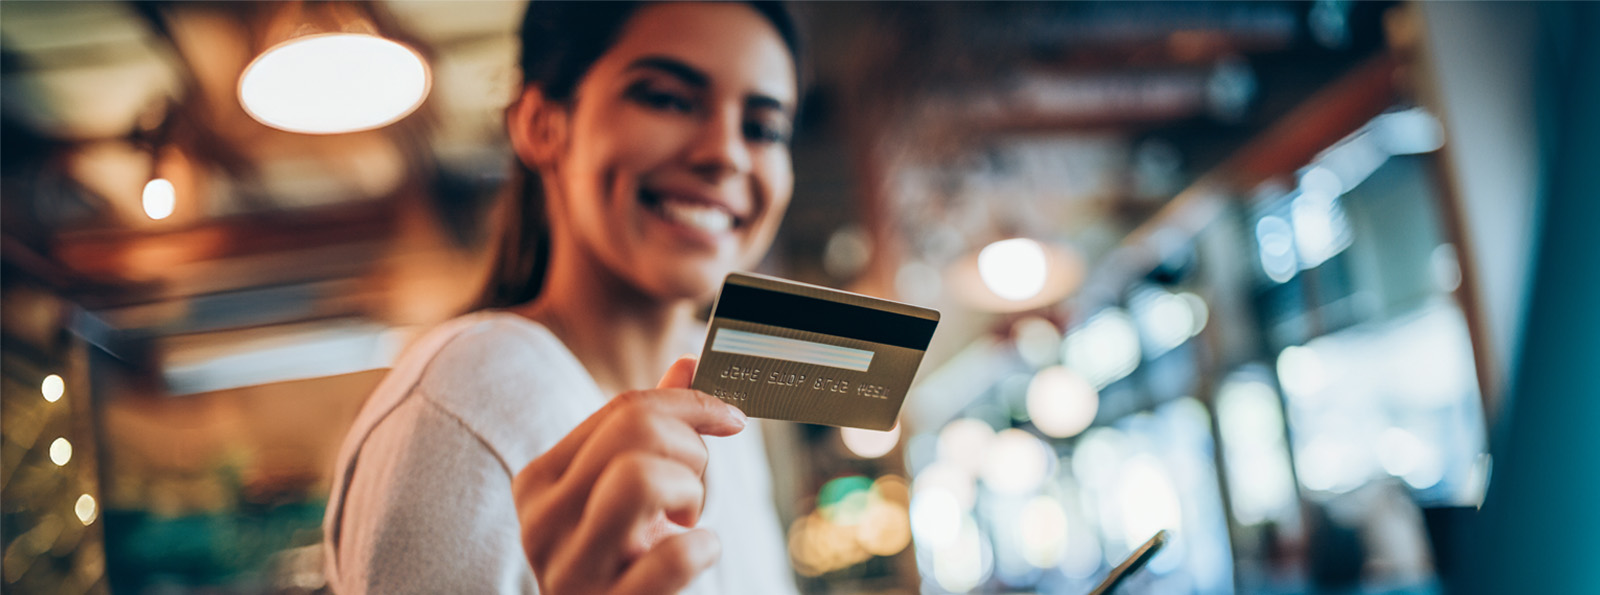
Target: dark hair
<point>561,40</point>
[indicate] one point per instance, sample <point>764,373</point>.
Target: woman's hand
<point>595,508</point>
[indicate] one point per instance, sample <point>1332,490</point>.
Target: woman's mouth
<point>706,217</point>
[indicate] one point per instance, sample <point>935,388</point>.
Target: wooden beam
<point>1324,119</point>
<point>1293,141</point>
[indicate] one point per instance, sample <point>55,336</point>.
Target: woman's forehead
<point>731,43</point>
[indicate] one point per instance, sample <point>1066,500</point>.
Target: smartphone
<point>1135,561</point>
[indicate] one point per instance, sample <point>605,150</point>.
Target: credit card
<point>793,351</point>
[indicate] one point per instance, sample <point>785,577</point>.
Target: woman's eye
<point>765,133</point>
<point>658,99</point>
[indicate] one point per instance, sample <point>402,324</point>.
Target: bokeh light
<point>1166,320</point>
<point>855,519</point>
<point>1408,131</point>
<point>965,562</point>
<point>1320,227</point>
<point>1105,349</point>
<point>1043,526</point>
<point>1013,269</point>
<point>885,529</point>
<point>1404,455</point>
<point>60,452</point>
<point>53,387</point>
<point>843,500</point>
<point>1250,417</point>
<point>1200,313</point>
<point>1018,462</point>
<point>1329,464</point>
<point>1061,403</point>
<point>1150,502</point>
<point>1038,341</point>
<point>1275,242</point>
<point>1301,372</point>
<point>870,444</point>
<point>1098,456</point>
<point>85,509</point>
<point>935,516</point>
<point>953,480</point>
<point>965,443</point>
<point>160,199</point>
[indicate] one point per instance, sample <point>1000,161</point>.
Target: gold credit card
<point>785,350</point>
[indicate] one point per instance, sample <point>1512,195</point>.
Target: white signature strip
<point>793,350</point>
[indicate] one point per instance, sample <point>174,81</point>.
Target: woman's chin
<point>688,281</point>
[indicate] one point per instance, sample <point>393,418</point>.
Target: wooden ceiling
<point>993,115</point>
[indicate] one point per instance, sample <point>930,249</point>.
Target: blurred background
<point>1312,285</point>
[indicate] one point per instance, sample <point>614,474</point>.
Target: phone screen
<point>1135,561</point>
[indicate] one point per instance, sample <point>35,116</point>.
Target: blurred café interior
<point>1304,283</point>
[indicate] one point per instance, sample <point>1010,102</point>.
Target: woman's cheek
<point>778,181</point>
<point>650,137</point>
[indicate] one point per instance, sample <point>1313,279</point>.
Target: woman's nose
<point>719,149</point>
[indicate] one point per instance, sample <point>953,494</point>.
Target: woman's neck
<point>624,337</point>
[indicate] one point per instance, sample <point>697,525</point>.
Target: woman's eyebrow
<point>675,67</point>
<point>759,101</point>
<point>697,78</point>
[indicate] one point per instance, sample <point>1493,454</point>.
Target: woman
<point>490,459</point>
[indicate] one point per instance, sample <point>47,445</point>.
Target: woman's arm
<point>428,510</point>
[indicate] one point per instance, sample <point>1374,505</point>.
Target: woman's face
<point>675,168</point>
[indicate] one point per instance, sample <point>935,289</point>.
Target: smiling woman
<point>656,94</point>
<point>653,146</point>
<point>670,167</point>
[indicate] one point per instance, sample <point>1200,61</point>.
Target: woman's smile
<point>698,212</point>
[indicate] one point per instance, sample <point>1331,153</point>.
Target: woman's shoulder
<point>484,340</point>
<point>501,376</point>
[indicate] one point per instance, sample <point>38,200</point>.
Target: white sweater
<point>421,499</point>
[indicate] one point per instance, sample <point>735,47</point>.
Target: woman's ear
<point>538,128</point>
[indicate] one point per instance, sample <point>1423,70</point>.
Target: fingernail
<point>738,415</point>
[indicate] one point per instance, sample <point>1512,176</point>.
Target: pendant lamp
<point>327,70</point>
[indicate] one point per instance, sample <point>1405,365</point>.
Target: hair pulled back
<point>561,40</point>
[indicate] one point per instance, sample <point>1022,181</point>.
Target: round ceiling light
<point>1016,275</point>
<point>334,83</point>
<point>1013,269</point>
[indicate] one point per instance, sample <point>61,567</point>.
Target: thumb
<point>680,374</point>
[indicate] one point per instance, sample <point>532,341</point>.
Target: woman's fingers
<point>624,513</point>
<point>589,505</point>
<point>666,422</point>
<point>671,565</point>
<point>703,413</point>
<point>545,469</point>
<point>552,491</point>
<point>680,374</point>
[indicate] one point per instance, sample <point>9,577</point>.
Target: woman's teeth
<point>703,217</point>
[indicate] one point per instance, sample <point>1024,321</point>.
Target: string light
<point>52,388</point>
<point>86,509</point>
<point>60,452</point>
<point>160,199</point>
